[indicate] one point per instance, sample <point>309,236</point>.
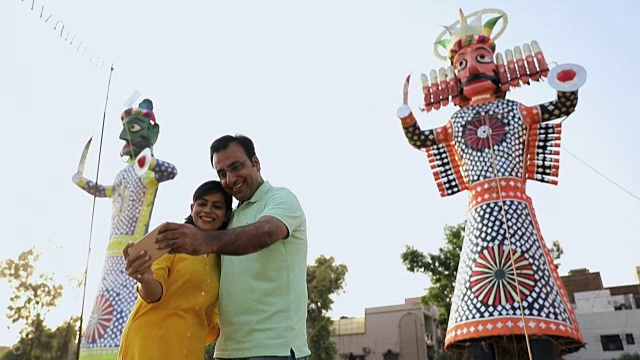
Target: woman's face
<point>209,212</point>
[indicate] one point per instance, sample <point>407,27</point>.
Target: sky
<point>316,84</point>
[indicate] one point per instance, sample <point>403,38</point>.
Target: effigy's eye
<point>483,58</point>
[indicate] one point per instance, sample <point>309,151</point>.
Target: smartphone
<point>147,243</point>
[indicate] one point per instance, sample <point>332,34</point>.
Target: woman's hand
<point>139,268</point>
<point>135,265</point>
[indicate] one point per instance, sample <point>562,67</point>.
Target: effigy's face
<point>138,133</point>
<point>476,70</point>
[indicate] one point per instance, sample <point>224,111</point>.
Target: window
<point>630,339</point>
<point>611,342</point>
<point>348,326</point>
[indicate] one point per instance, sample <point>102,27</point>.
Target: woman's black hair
<point>208,188</point>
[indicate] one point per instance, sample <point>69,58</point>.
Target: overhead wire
<point>601,174</point>
<point>61,27</point>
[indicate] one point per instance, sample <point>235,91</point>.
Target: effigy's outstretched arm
<point>85,184</point>
<point>438,144</point>
<point>424,139</point>
<point>91,187</point>
<point>163,170</point>
<point>564,105</point>
<point>566,79</point>
<point>418,138</point>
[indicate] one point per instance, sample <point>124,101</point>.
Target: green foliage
<point>441,268</point>
<point>45,343</point>
<point>324,279</point>
<point>33,296</point>
<point>628,356</point>
<point>556,252</point>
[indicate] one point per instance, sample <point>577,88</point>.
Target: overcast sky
<point>316,84</point>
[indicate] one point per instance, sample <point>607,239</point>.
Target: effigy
<point>133,195</point>
<point>509,301</point>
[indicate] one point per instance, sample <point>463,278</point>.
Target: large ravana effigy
<point>508,298</point>
<point>133,195</point>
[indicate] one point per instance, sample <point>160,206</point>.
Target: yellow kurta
<point>184,320</point>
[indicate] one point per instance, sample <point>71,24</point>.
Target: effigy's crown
<point>465,32</point>
<point>144,109</point>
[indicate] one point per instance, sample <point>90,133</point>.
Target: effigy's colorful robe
<point>491,149</point>
<point>133,197</point>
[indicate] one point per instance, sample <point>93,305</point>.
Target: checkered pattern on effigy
<point>504,264</point>
<point>133,197</point>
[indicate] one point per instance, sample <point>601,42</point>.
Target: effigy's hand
<point>137,265</point>
<point>403,111</point>
<point>405,115</point>
<point>77,177</point>
<point>181,238</point>
<point>567,77</point>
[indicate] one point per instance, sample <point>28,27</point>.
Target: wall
<point>594,325</point>
<point>399,329</point>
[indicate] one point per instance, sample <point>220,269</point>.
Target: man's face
<point>138,134</point>
<point>239,175</point>
<point>476,70</point>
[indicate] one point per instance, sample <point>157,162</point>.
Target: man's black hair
<point>223,142</point>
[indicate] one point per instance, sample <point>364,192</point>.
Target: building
<point>397,332</point>
<point>609,317</point>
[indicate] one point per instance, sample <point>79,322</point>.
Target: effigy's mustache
<point>493,78</point>
<point>141,143</point>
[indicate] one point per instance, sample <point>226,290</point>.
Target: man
<point>133,194</point>
<point>263,290</point>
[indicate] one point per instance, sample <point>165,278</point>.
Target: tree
<point>441,268</point>
<point>64,339</point>
<point>33,296</point>
<point>324,279</point>
<point>556,252</point>
<point>51,345</point>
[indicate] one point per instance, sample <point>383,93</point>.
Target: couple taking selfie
<point>236,277</point>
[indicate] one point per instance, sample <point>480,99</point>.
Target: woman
<point>176,313</point>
